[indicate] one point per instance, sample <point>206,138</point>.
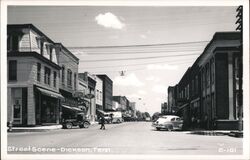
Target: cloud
<point>143,36</point>
<point>109,20</point>
<point>114,37</point>
<point>148,31</point>
<point>153,78</point>
<point>142,92</point>
<point>160,89</point>
<point>136,96</point>
<point>129,80</point>
<point>161,67</point>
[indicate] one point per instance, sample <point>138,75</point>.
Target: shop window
<point>38,72</point>
<point>54,79</point>
<point>12,70</point>
<point>47,75</point>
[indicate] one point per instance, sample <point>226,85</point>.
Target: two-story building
<point>68,83</point>
<point>107,92</point>
<point>99,93</point>
<point>208,92</point>
<point>90,95</point>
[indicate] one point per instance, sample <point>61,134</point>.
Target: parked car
<point>168,122</point>
<point>80,121</point>
<point>147,119</point>
<point>116,116</point>
<point>107,118</point>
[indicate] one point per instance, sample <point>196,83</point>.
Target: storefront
<point>47,106</point>
<point>19,105</point>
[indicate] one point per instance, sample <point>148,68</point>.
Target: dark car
<point>80,121</point>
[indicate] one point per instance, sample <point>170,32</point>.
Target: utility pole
<point>239,21</point>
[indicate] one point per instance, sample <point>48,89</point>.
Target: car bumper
<point>161,126</point>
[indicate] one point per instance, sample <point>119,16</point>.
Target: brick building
<point>90,95</point>
<point>68,81</point>
<point>123,101</point>
<point>107,90</point>
<point>33,77</point>
<point>207,93</point>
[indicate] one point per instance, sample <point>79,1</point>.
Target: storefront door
<point>49,106</point>
<point>17,105</point>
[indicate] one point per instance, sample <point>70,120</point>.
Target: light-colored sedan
<point>168,122</point>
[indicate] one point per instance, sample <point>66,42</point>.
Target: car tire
<point>170,128</point>
<point>86,124</point>
<point>81,126</point>
<point>68,125</point>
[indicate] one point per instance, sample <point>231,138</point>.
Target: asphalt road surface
<point>124,138</point>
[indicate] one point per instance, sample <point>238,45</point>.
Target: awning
<point>72,108</point>
<point>50,93</point>
<point>184,105</point>
<point>101,111</point>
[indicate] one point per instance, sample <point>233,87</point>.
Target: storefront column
<point>31,118</point>
<point>230,86</point>
<point>10,107</point>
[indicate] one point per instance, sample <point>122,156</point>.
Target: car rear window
<point>172,119</point>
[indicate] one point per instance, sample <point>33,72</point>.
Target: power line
<point>138,58</point>
<point>142,45</point>
<point>103,67</point>
<point>143,68</point>
<point>134,64</point>
<point>141,52</point>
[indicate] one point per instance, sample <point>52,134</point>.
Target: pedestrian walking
<point>111,117</point>
<point>102,121</point>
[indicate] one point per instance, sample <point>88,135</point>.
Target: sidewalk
<point>43,128</point>
<point>234,133</point>
<point>36,129</point>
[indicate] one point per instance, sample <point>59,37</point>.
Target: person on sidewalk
<point>102,121</point>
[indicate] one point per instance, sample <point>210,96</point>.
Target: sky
<point>153,46</point>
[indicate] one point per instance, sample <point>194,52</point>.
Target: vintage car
<point>168,122</point>
<point>80,121</point>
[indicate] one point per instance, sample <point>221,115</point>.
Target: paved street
<point>125,138</point>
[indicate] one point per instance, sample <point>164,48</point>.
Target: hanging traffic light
<point>239,17</point>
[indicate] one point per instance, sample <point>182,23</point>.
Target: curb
<point>210,133</point>
<point>35,129</point>
<point>236,134</point>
